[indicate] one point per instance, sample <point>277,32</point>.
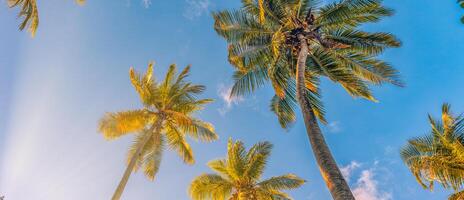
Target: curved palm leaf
<point>438,156</point>
<point>238,177</point>
<point>30,14</point>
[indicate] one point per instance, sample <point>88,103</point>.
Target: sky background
<point>55,87</point>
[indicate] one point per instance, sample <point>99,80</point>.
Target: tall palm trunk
<point>130,167</point>
<point>327,165</point>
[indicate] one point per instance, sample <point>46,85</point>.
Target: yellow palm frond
<point>166,120</point>
<point>238,176</point>
<point>176,141</point>
<point>115,125</point>
<point>210,186</point>
<point>28,12</point>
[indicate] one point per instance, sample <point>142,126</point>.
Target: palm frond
<point>115,125</point>
<point>438,156</point>
<point>284,182</point>
<point>143,84</point>
<point>29,14</point>
<point>153,156</point>
<point>238,176</point>
<point>176,141</point>
<point>210,186</point>
<point>351,13</point>
<point>256,160</point>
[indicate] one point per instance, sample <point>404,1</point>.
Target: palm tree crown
<point>238,177</point>
<point>263,51</point>
<point>30,13</point>
<point>439,156</point>
<point>165,119</point>
<point>294,43</point>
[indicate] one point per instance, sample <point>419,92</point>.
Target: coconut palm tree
<point>165,120</point>
<point>299,42</point>
<point>238,177</point>
<point>439,155</point>
<point>30,13</point>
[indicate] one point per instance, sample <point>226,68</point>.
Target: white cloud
<point>196,8</point>
<point>146,3</point>
<point>334,127</point>
<point>228,101</point>
<point>348,170</point>
<point>367,188</point>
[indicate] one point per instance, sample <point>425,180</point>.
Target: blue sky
<point>55,87</point>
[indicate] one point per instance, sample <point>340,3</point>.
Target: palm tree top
<point>264,51</point>
<point>171,102</point>
<point>238,176</point>
<point>439,155</point>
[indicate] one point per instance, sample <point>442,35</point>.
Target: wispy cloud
<point>367,187</point>
<point>347,170</point>
<point>228,101</point>
<point>146,3</point>
<point>196,8</point>
<point>334,127</point>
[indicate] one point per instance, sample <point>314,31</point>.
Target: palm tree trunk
<point>327,165</point>
<point>130,167</point>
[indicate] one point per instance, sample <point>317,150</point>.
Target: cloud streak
<point>366,186</point>
<point>146,3</point>
<point>228,101</point>
<point>334,127</point>
<point>348,170</point>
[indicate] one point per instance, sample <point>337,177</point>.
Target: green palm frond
<point>238,176</point>
<point>236,158</point>
<point>256,160</point>
<point>248,80</point>
<point>261,51</point>
<point>438,156</point>
<point>284,182</point>
<point>351,13</point>
<point>361,42</point>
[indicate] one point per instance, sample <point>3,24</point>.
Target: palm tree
<point>165,119</point>
<point>238,177</point>
<point>298,43</point>
<point>439,156</point>
<point>30,13</point>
